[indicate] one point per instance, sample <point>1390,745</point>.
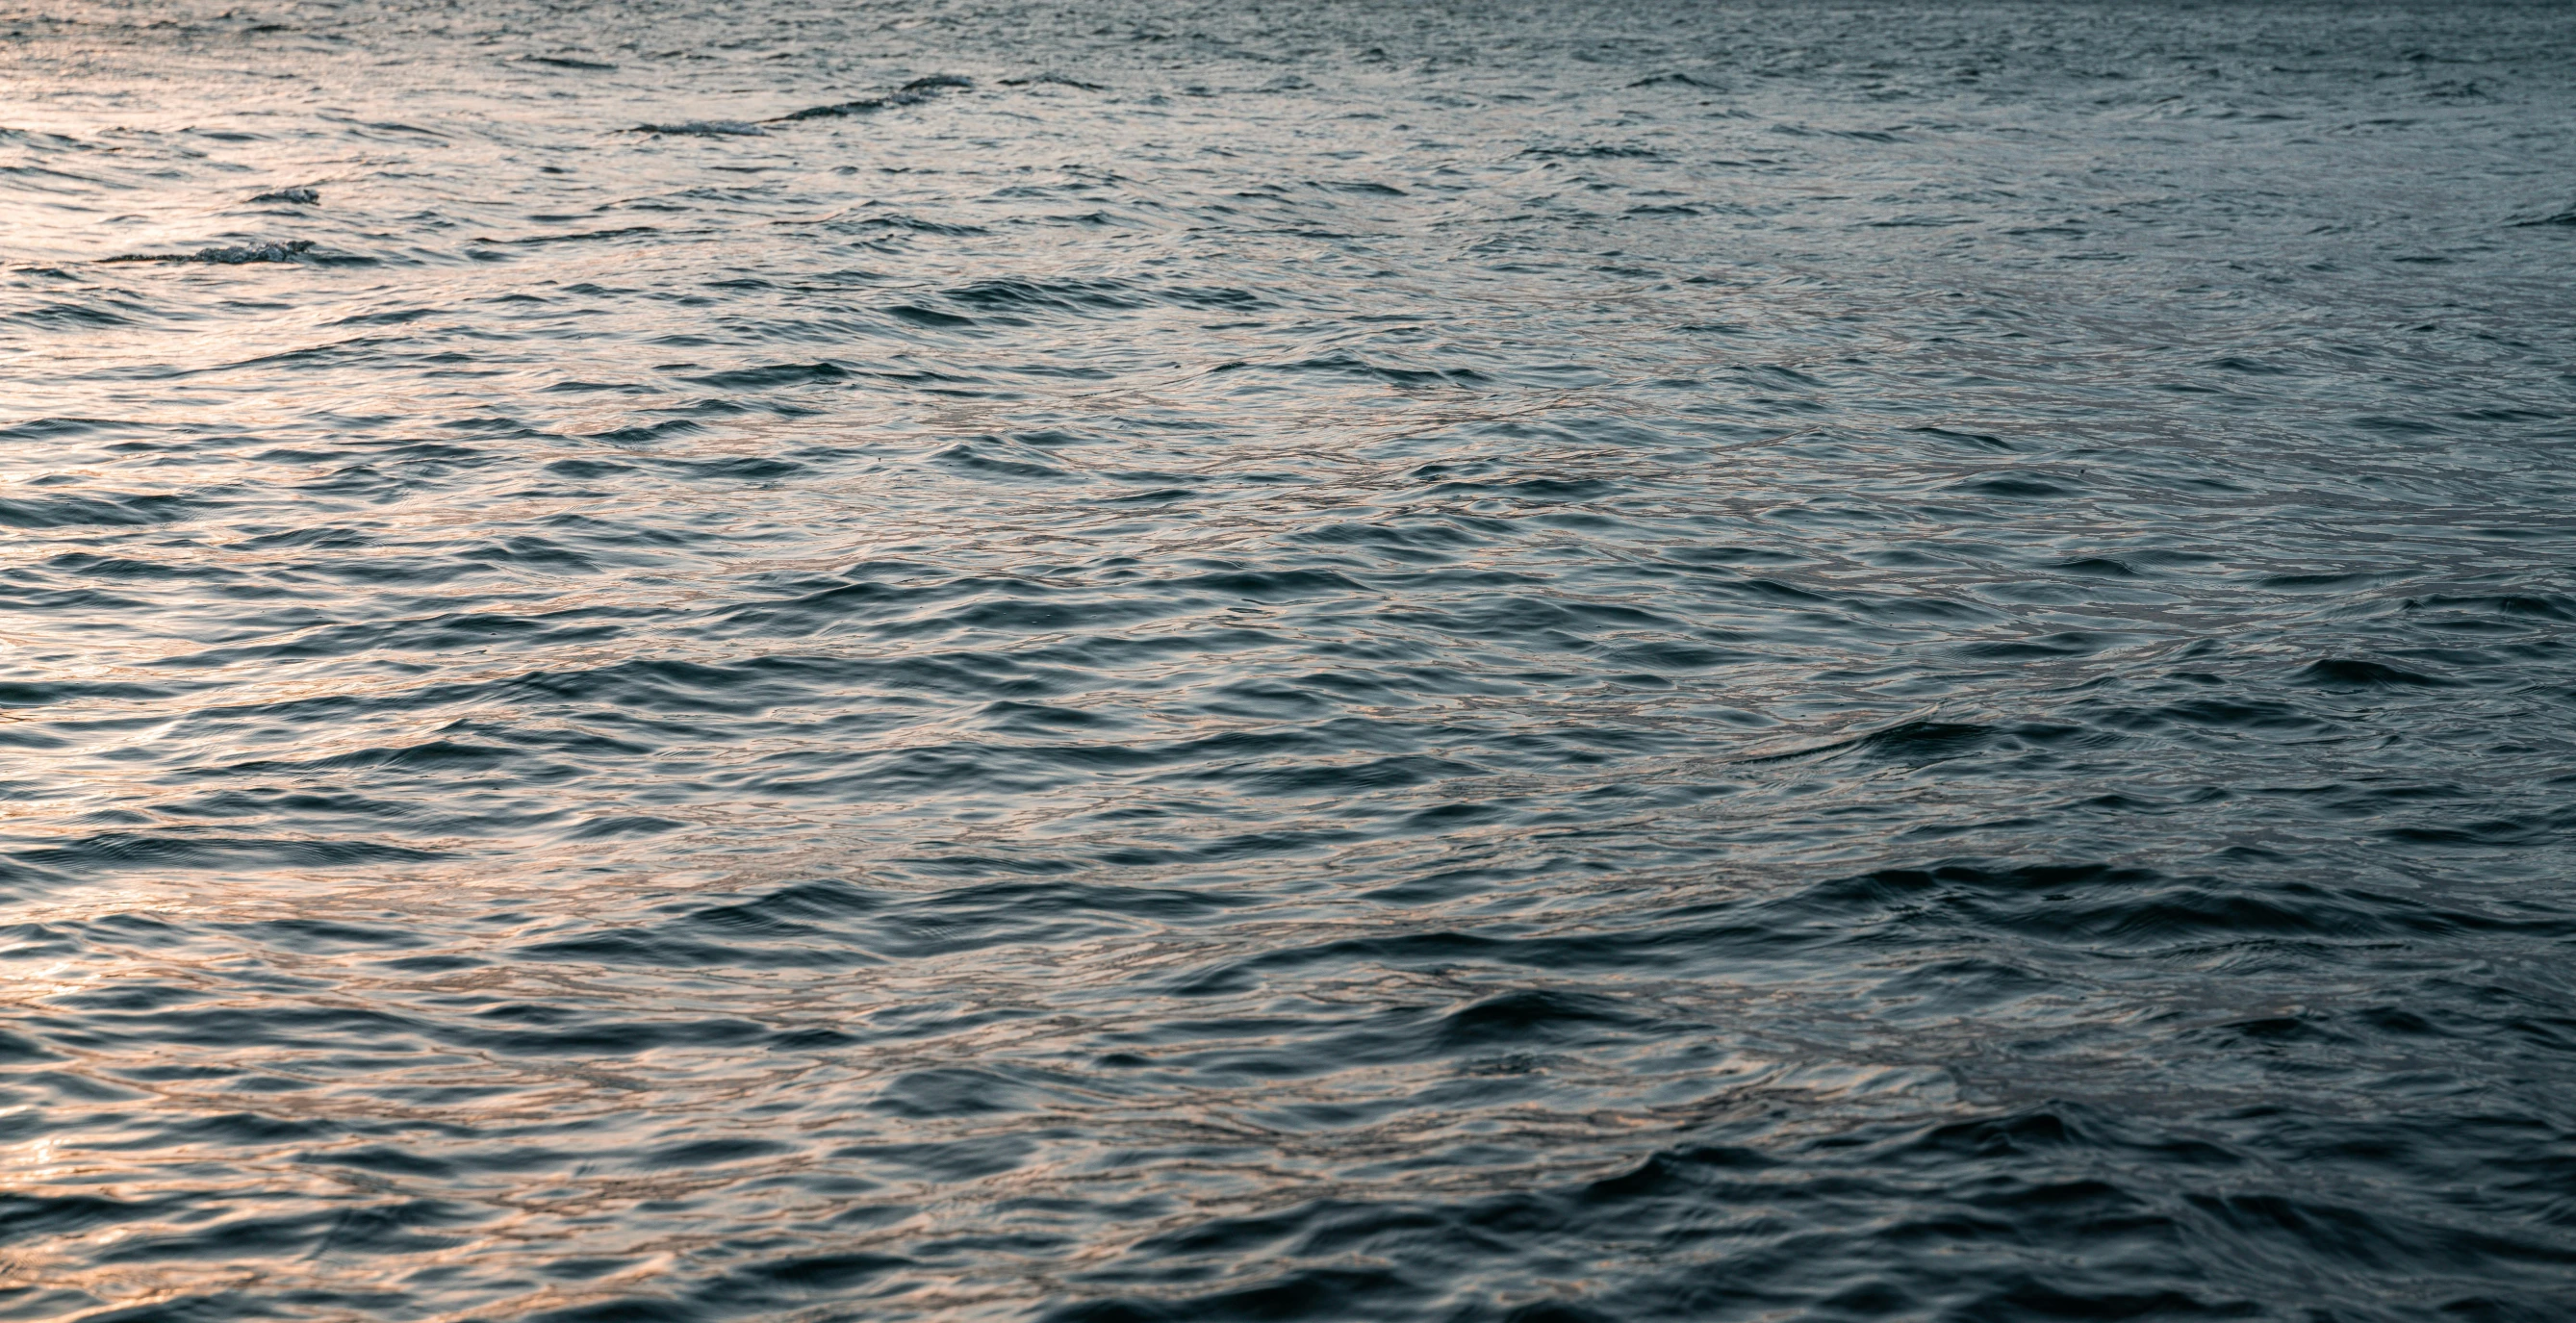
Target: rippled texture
<point>1428,661</point>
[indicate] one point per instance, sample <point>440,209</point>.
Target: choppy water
<point>1424,661</point>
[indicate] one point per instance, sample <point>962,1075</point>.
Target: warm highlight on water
<point>1529,662</point>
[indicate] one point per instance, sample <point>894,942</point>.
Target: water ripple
<point>975,661</point>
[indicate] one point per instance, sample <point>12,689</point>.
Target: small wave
<point>1352,365</point>
<point>1679,80</point>
<point>114,851</point>
<point>1054,80</point>
<point>913,93</point>
<point>75,511</point>
<point>287,251</point>
<point>2347,673</point>
<point>1056,295</point>
<point>705,128</point>
<point>1596,153</point>
<point>578,236</point>
<point>2014,486</point>
<point>1365,187</point>
<point>841,109</point>
<point>914,224</point>
<point>781,374</point>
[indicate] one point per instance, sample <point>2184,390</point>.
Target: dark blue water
<point>1530,661</point>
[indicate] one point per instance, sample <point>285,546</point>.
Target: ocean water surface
<point>960,659</point>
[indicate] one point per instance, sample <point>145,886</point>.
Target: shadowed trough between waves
<point>1433,661</point>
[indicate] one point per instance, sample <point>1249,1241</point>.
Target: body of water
<point>1442,661</point>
